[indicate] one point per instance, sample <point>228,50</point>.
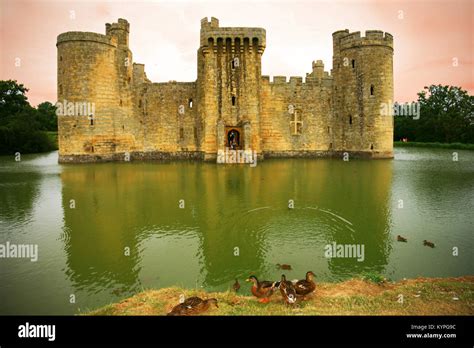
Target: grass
<point>460,146</point>
<point>421,296</point>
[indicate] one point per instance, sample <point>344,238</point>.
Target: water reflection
<point>235,221</point>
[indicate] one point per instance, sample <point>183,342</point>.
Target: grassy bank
<point>459,146</point>
<point>421,296</point>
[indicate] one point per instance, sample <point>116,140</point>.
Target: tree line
<point>446,115</point>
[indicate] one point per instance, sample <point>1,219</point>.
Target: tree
<point>12,98</point>
<point>47,116</point>
<point>22,127</point>
<point>446,115</point>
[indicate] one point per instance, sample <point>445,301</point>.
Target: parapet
<point>122,24</point>
<point>86,36</point>
<point>318,64</point>
<point>213,23</point>
<point>211,33</point>
<point>343,39</point>
<point>279,79</point>
<point>115,34</point>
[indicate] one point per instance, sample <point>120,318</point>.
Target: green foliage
<point>446,116</point>
<point>373,277</point>
<point>22,127</point>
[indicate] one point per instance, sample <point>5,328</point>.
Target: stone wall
<point>334,113</point>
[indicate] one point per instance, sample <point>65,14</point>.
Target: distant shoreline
<point>459,146</point>
<point>420,296</point>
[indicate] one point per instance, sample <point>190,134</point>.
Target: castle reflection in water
<point>198,224</point>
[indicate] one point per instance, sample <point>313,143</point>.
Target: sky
<point>433,40</point>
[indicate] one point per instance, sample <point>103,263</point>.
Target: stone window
<point>350,119</point>
<point>60,58</point>
<point>232,63</point>
<point>371,89</point>
<point>233,100</point>
<point>120,102</point>
<point>353,63</point>
<point>329,129</point>
<point>296,125</point>
<point>190,103</point>
<point>181,133</point>
<point>140,103</point>
<point>60,89</point>
<point>371,146</point>
<point>91,120</point>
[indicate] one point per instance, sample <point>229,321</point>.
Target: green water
<point>228,210</point>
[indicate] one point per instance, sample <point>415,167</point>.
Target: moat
<point>106,231</point>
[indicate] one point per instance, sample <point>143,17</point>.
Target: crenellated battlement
<point>122,24</point>
<point>298,80</point>
<point>343,39</point>
<point>212,34</point>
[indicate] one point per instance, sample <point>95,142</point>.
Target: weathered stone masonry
<point>229,103</point>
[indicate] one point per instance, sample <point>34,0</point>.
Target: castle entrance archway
<point>233,138</point>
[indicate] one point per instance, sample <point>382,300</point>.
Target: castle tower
<point>229,70</point>
<point>363,82</point>
<point>94,77</point>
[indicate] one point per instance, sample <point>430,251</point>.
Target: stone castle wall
<point>137,119</point>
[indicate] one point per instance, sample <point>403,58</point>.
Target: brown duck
<point>428,243</point>
<point>284,266</point>
<point>262,289</point>
<point>287,290</point>
<point>306,286</point>
<point>193,306</point>
<point>236,285</point>
<point>401,239</point>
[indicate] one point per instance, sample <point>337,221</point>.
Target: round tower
<point>363,88</point>
<point>94,76</point>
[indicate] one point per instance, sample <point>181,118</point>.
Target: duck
<point>236,285</point>
<point>401,239</point>
<point>287,290</point>
<point>284,266</point>
<point>428,243</point>
<point>192,306</point>
<point>262,289</point>
<point>306,286</point>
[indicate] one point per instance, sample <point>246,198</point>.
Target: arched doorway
<point>233,139</point>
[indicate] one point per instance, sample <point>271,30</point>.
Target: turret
<point>363,81</point>
<point>318,69</point>
<point>119,30</point>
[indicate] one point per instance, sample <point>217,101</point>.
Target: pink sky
<point>164,35</point>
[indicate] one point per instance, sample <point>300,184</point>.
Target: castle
<point>230,105</point>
